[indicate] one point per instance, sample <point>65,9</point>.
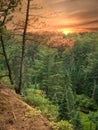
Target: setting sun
<point>66,31</point>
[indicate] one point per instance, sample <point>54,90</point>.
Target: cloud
<point>92,29</point>
<point>57,1</point>
<point>74,14</point>
<point>85,14</point>
<point>81,14</point>
<point>88,25</point>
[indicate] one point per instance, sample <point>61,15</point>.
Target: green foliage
<point>48,72</point>
<point>87,121</point>
<point>63,110</point>
<point>37,98</point>
<point>7,83</point>
<point>62,125</point>
<point>77,121</point>
<point>68,77</point>
<point>33,115</point>
<point>86,104</point>
<point>83,60</point>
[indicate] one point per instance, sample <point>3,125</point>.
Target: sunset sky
<point>67,15</point>
<point>71,15</point>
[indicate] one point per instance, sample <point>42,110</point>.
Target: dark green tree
<point>63,110</point>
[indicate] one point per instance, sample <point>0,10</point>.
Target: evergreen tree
<point>63,110</point>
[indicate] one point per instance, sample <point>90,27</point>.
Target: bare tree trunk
<point>3,46</point>
<point>18,90</point>
<point>6,60</point>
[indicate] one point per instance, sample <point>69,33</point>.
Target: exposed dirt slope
<point>17,115</point>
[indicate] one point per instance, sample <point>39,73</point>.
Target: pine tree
<point>63,108</point>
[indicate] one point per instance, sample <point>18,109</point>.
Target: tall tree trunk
<point>6,60</point>
<point>18,90</point>
<point>3,45</point>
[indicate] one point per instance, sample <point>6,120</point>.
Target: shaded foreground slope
<point>17,115</point>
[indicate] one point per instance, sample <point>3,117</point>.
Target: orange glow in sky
<point>65,16</point>
<point>66,31</point>
<point>70,16</point>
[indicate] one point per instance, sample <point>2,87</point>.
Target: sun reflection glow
<point>66,31</point>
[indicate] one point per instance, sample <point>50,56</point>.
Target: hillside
<point>15,114</point>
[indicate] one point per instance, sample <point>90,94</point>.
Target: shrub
<point>37,98</point>
<point>61,125</point>
<point>86,104</point>
<point>87,120</point>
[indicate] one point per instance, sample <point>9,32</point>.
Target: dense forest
<point>53,72</point>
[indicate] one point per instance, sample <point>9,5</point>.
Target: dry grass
<point>17,115</point>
